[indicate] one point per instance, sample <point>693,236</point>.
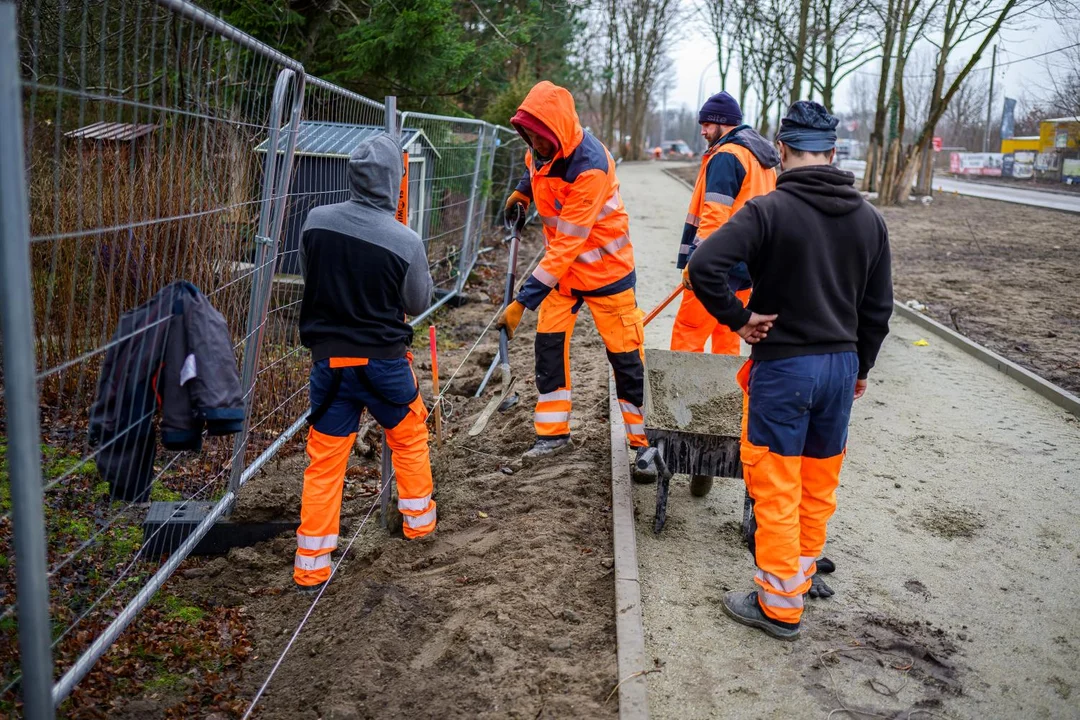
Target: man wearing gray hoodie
<point>363,272</point>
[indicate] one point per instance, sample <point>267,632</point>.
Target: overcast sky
<point>693,54</point>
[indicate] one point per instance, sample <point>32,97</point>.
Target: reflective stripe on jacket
<point>738,167</point>
<point>576,194</point>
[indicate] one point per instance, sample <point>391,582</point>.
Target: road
<point>1049,200</point>
<point>956,541</point>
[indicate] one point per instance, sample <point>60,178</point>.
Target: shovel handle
<point>663,304</point>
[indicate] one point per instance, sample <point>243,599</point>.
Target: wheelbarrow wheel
<point>700,485</point>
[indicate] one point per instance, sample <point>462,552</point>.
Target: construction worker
<point>737,166</point>
<point>363,272</point>
<point>819,256</point>
<point>588,259</point>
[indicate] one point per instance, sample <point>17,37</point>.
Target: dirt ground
<point>505,612</point>
<point>956,512</point>
<point>1003,274</point>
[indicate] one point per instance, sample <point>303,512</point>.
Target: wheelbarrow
<point>693,420</point>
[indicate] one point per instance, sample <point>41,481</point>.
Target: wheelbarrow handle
<point>663,304</point>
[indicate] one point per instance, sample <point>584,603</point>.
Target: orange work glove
<point>519,199</point>
<point>510,317</point>
<point>686,278</point>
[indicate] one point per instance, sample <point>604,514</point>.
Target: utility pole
<point>990,101</point>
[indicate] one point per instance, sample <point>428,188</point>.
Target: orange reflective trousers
<point>795,424</point>
<point>341,388</point>
<point>694,326</point>
<point>619,320</point>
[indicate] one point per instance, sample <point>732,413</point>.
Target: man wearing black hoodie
<point>819,258</point>
<point>363,272</point>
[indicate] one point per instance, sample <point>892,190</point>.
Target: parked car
<point>678,150</point>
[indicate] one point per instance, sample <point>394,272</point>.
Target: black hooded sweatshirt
<point>818,254</point>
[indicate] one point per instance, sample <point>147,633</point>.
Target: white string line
<point>307,615</point>
<point>345,552</point>
<point>446,385</point>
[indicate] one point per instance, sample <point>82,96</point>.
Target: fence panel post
<point>20,388</point>
<point>262,280</point>
<point>465,262</point>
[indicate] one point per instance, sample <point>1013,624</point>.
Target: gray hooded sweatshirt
<point>363,270</point>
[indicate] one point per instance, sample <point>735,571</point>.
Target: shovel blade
<point>494,404</point>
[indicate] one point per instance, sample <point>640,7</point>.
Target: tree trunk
<point>874,150</point>
<point>925,185</point>
<point>800,50</point>
<point>906,175</point>
<point>744,72</point>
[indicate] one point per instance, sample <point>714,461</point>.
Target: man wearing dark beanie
<point>819,256</point>
<point>737,166</point>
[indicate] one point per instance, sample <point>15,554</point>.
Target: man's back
<point>363,270</point>
<point>819,257</point>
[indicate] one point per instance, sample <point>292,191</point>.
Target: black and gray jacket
<point>173,353</point>
<point>363,270</point>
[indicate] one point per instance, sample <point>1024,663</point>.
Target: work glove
<point>515,209</point>
<point>510,317</point>
<point>686,279</point>
<point>818,588</point>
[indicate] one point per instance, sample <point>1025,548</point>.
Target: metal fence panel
<point>140,123</point>
<point>162,144</point>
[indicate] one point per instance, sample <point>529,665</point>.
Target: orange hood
<point>554,106</point>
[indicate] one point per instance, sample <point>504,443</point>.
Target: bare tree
<point>721,16</point>
<point>962,21</point>
<point>904,25</point>
<point>843,30</point>
<point>646,27</point>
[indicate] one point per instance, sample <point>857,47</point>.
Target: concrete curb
<point>676,178</point>
<point>629,630</point>
<point>1059,396</point>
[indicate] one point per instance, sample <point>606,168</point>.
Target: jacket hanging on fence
<point>173,352</point>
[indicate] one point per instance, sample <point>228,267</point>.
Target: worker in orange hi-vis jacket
<point>739,165</point>
<point>588,260</point>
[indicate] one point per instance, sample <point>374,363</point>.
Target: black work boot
<point>545,446</point>
<point>743,608</point>
<point>310,589</point>
<point>645,475</point>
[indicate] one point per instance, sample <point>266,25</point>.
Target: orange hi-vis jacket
<point>586,228</point>
<point>736,168</point>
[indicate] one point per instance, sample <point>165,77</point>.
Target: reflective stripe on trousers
<point>323,542</point>
<point>318,562</point>
<point>618,320</point>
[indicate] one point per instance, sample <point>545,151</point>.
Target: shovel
<point>506,397</point>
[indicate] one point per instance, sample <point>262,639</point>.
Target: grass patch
<point>160,493</point>
<point>177,609</point>
<point>124,542</point>
<point>57,467</point>
<point>166,682</point>
<point>77,528</point>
